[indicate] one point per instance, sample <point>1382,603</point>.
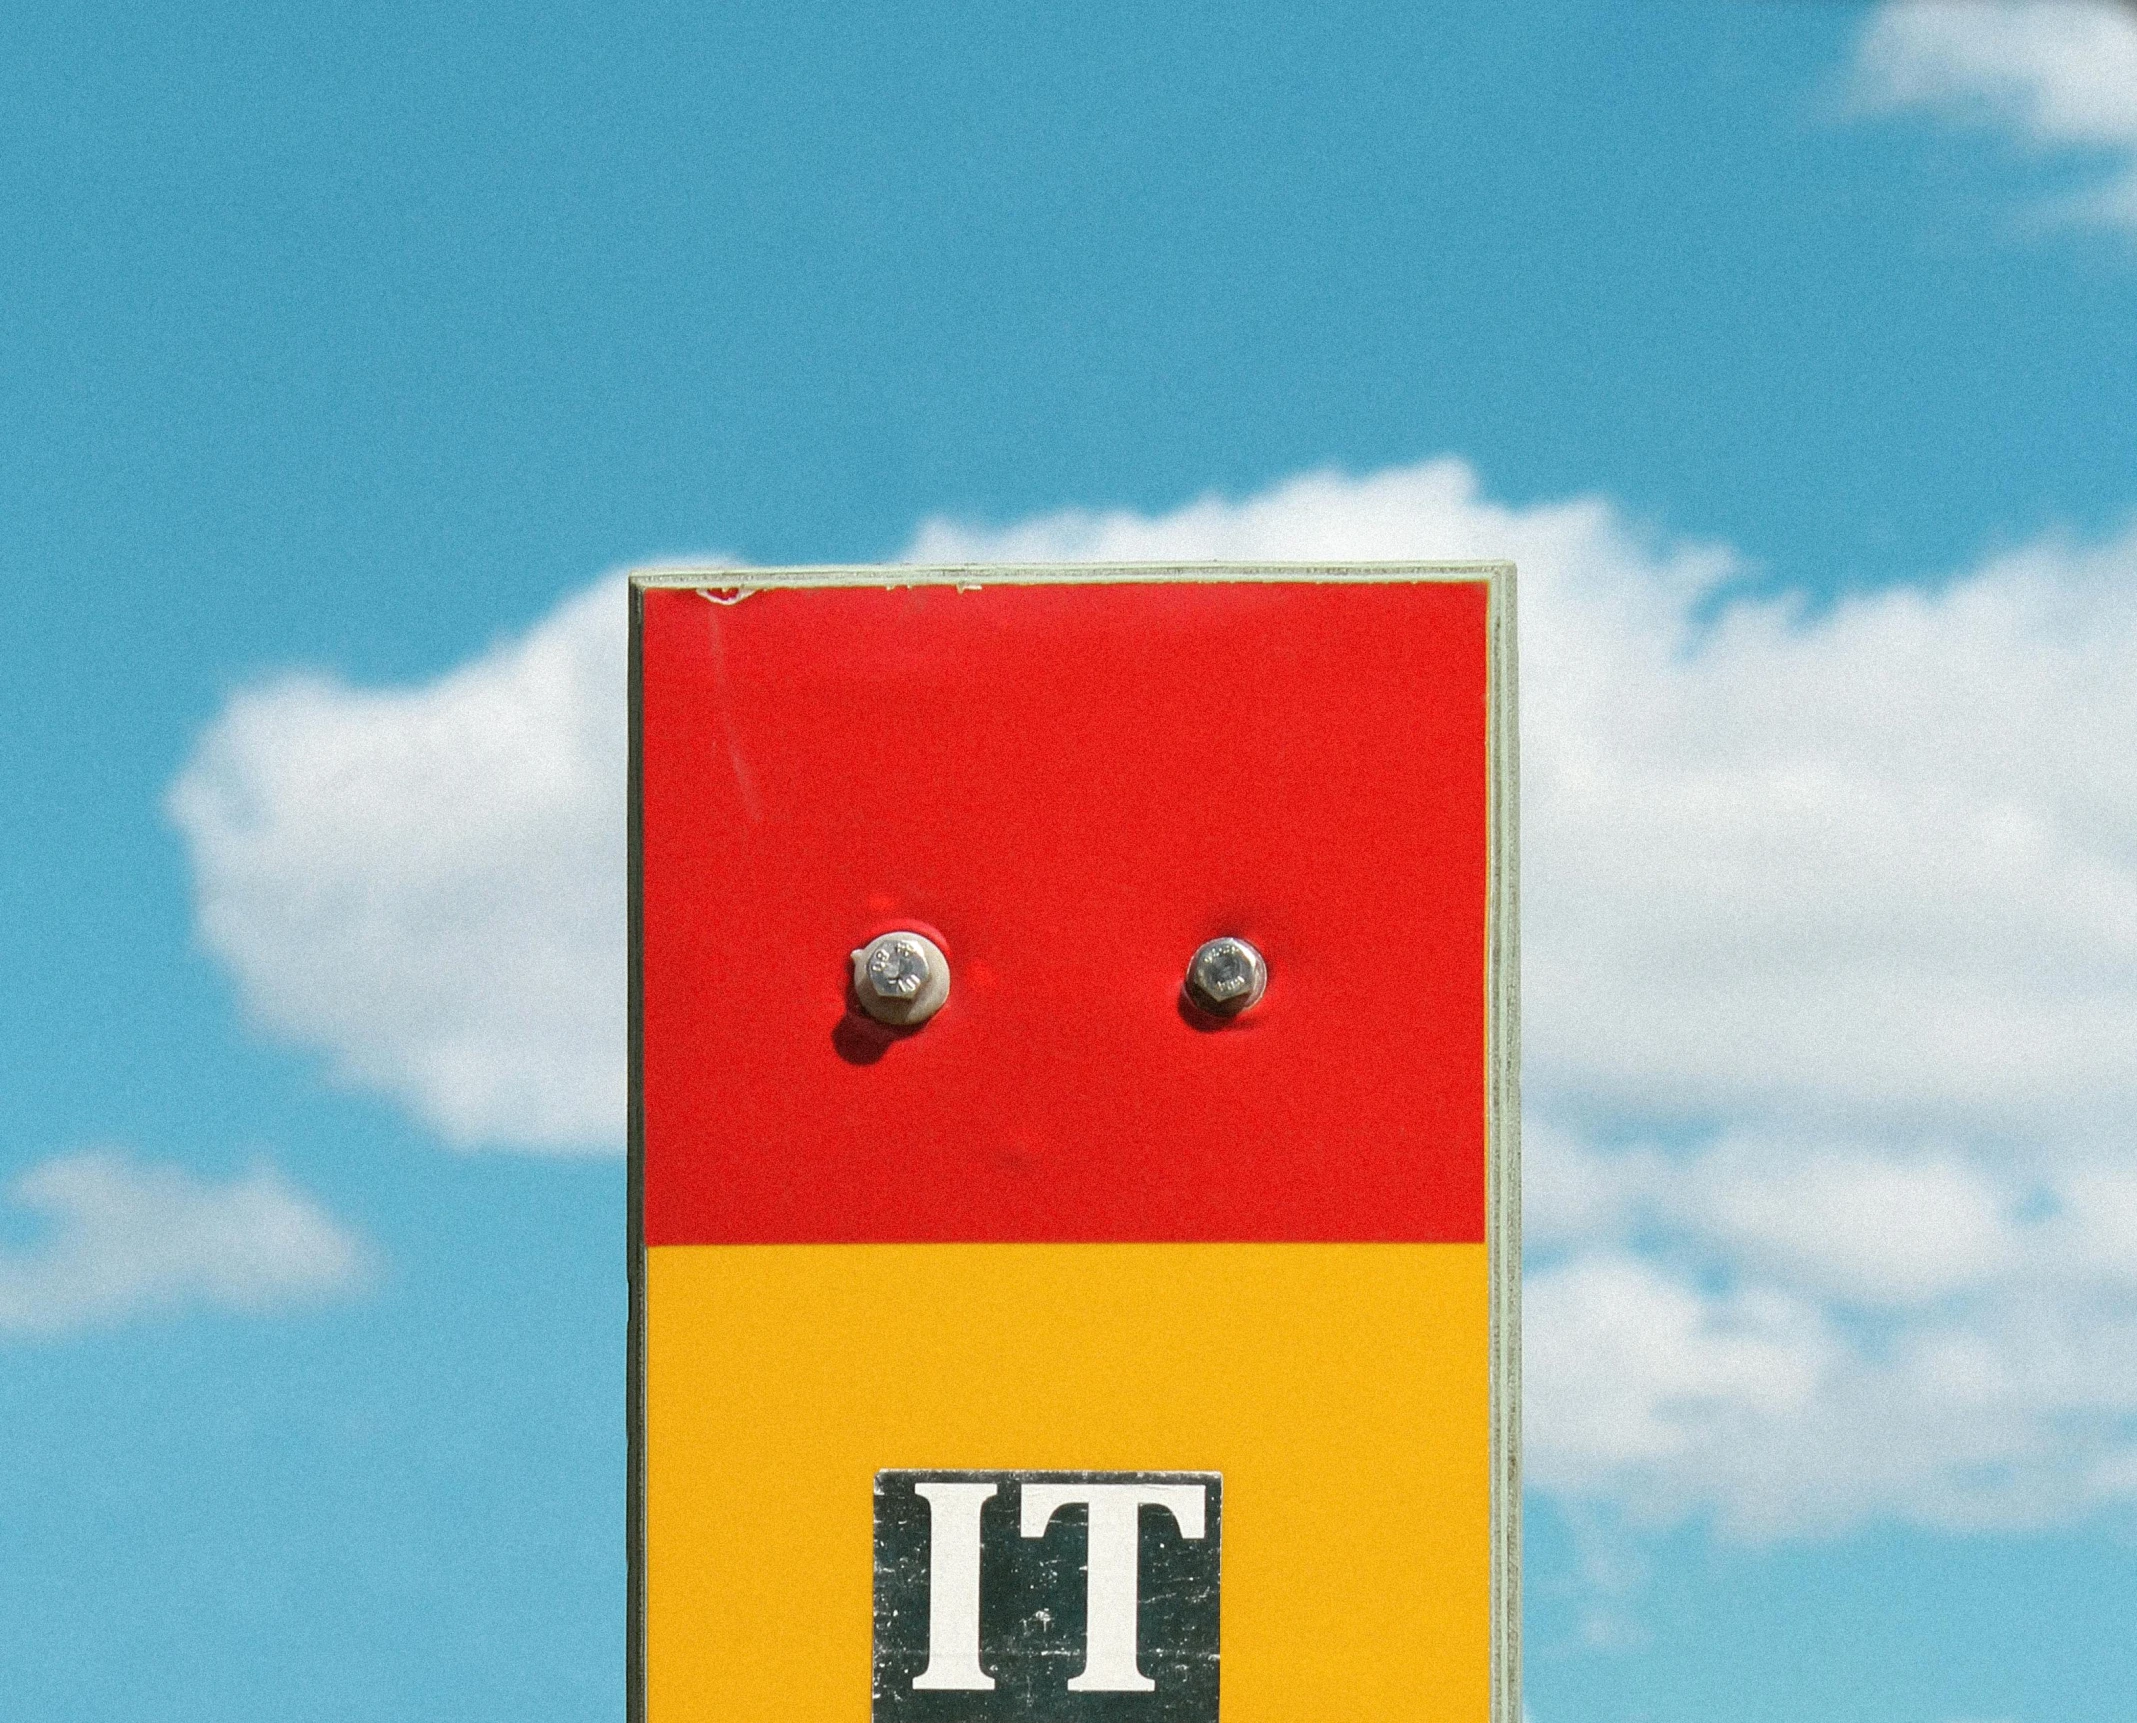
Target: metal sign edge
<point>740,578</point>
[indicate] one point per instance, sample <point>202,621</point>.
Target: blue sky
<point>1790,348</point>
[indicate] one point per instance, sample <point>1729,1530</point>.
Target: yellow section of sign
<point>1340,1389</point>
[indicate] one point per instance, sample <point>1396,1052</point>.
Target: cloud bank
<point>123,1239</point>
<point>428,883</point>
<point>2059,76</point>
<point>1830,983</point>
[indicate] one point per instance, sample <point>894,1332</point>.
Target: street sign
<point>1074,1170</point>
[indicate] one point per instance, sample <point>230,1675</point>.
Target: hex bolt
<point>901,978</point>
<point>1226,976</point>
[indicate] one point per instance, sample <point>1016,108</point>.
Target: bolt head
<point>897,968</point>
<point>901,978</point>
<point>1226,976</point>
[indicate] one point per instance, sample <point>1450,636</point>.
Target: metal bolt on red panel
<point>901,978</point>
<point>1227,976</point>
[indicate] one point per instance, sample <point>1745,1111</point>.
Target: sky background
<point>345,357</point>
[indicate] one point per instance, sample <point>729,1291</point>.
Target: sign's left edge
<point>635,1268</point>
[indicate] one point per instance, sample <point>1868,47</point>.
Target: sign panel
<point>1073,1165</point>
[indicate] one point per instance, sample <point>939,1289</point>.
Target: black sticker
<point>1077,1597</point>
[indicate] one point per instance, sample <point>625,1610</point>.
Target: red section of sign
<point>1069,788</point>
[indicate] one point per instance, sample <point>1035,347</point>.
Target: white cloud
<point>1869,1226</point>
<point>2059,75</point>
<point>1802,1337</point>
<point>1830,984</point>
<point>428,882</point>
<point>122,1239</point>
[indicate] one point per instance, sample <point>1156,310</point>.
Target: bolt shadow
<point>859,1039</point>
<point>1205,1022</point>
